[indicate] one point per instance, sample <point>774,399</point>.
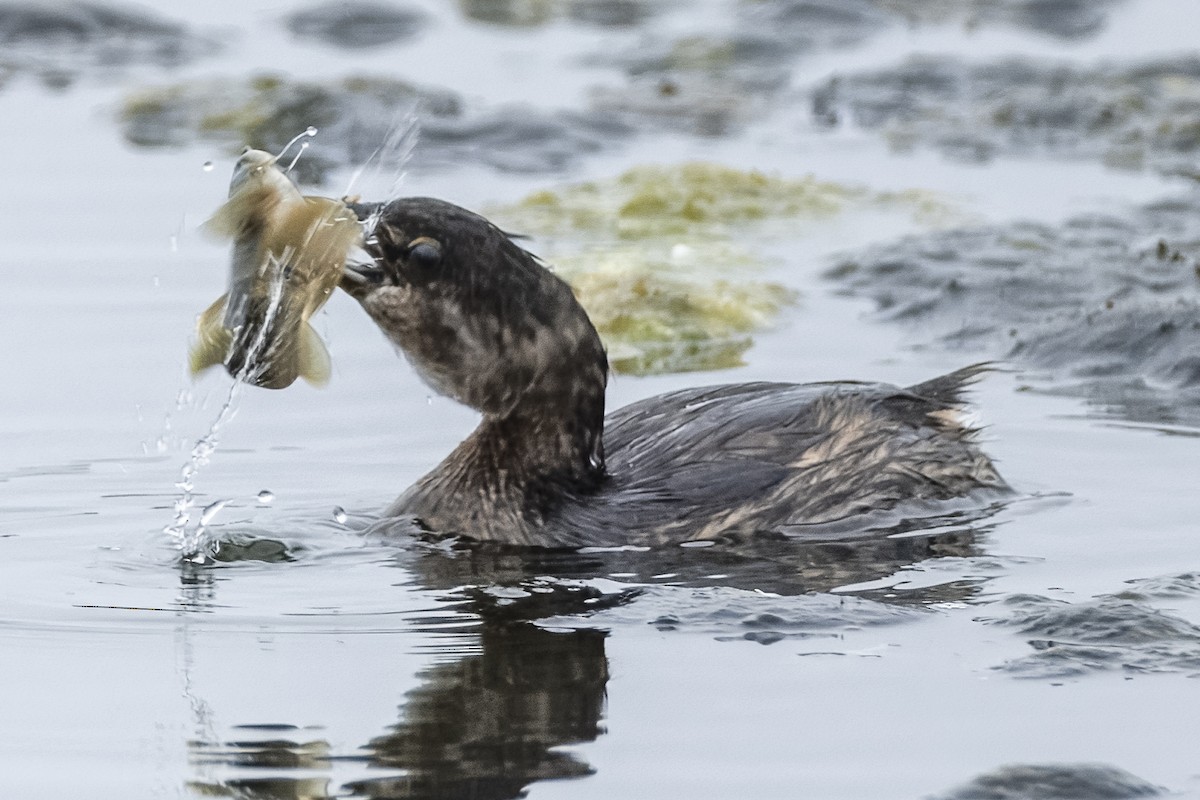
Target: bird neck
<point>506,480</point>
<point>552,436</point>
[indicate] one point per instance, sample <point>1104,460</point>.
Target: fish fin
<point>244,209</point>
<point>227,221</point>
<point>212,344</point>
<point>315,365</point>
<point>335,230</point>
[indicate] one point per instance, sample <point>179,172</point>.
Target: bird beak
<point>359,278</point>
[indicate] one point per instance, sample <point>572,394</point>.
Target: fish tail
<point>213,339</point>
<point>314,365</point>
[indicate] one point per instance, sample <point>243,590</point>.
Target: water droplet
<point>310,130</point>
<point>210,511</point>
<point>266,497</point>
<point>680,252</point>
<point>339,515</point>
<point>208,166</point>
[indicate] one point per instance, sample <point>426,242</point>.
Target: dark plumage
<point>485,323</point>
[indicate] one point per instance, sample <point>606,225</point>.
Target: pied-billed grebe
<point>485,323</point>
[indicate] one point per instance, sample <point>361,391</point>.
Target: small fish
<point>288,253</point>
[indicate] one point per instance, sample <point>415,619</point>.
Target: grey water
<point>1050,649</point>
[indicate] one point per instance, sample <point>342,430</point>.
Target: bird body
<point>484,322</point>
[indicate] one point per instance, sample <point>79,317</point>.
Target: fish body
<point>288,254</point>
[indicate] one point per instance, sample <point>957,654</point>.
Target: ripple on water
<point>1053,782</point>
<point>738,614</point>
<point>266,559</point>
<point>1127,115</point>
<point>762,591</point>
<point>1184,584</point>
<point>910,570</point>
<point>1108,633</point>
<point>1102,304</point>
<point>297,572</point>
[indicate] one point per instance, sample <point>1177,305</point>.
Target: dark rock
<point>510,13</point>
<point>356,24</point>
<point>817,23</point>
<point>59,42</point>
<point>1109,633</point>
<point>1104,306</point>
<point>1054,782</point>
<point>612,13</point>
<point>1126,116</point>
<point>355,116</point>
<point>1062,19</point>
<point>1066,19</point>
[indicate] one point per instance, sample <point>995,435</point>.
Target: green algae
<point>703,53</point>
<point>355,116</point>
<point>256,111</point>
<point>667,259</point>
<point>663,311</point>
<point>539,13</point>
<point>265,111</point>
<point>692,199</point>
<point>511,13</point>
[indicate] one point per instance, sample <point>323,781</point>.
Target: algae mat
<point>669,260</point>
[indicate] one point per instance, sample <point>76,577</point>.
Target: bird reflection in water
<point>497,718</point>
<point>487,726</point>
<point>484,726</point>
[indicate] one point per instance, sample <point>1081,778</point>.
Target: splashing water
<point>300,152</point>
<point>307,133</point>
<point>194,543</point>
<point>389,159</point>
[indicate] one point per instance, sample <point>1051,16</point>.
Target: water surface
<point>1059,634</point>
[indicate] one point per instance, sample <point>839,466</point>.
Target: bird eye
<point>424,253</point>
